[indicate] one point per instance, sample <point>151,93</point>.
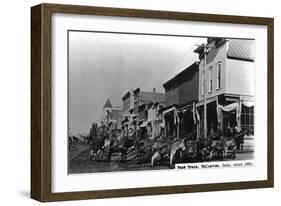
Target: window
<point>247,118</point>
<point>219,75</point>
<point>210,80</point>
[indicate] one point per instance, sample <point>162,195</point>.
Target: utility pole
<point>205,48</point>
<point>204,100</point>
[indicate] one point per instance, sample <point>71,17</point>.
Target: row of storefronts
<point>223,74</point>
<point>179,121</point>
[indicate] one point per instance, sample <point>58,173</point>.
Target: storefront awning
<point>248,103</point>
<point>168,110</point>
<point>230,107</point>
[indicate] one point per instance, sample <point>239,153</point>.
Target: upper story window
<point>210,79</point>
<point>219,75</point>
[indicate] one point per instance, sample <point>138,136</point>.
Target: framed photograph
<point>128,102</point>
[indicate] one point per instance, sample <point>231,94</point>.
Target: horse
<point>190,152</point>
<point>221,147</point>
<point>173,150</point>
<point>121,146</point>
<point>97,148</point>
<point>230,147</point>
<point>217,149</point>
<point>203,150</point>
<point>158,150</point>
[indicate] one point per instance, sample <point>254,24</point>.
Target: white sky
<point>106,65</point>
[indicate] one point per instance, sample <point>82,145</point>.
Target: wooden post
<point>205,101</point>
<point>178,128</point>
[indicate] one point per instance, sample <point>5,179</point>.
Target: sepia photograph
<point>139,101</point>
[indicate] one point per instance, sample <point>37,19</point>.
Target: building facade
<point>226,78</point>
<point>142,99</point>
<point>112,117</point>
<point>136,104</point>
<point>183,88</point>
<point>181,93</point>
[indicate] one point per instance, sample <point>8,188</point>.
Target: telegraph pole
<point>205,103</point>
<point>205,52</point>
